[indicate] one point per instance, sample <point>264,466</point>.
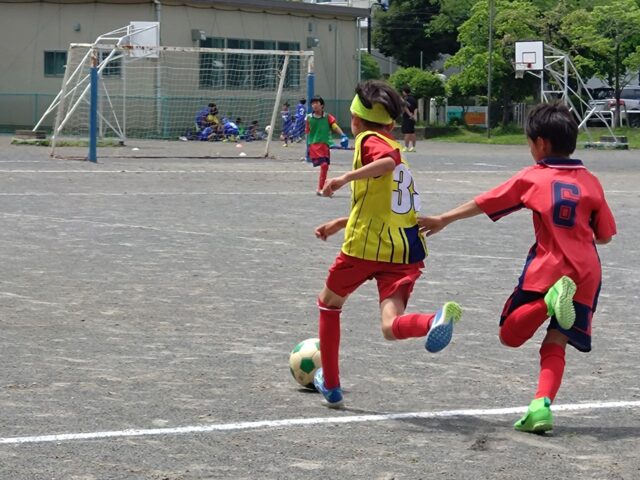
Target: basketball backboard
<point>529,56</point>
<point>144,34</point>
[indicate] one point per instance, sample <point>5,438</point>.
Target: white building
<point>35,37</point>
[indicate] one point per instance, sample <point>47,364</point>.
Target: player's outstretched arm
<point>374,169</point>
<point>325,230</point>
<point>336,128</point>
<point>432,225</point>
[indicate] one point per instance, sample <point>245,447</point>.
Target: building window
<point>114,67</point>
<point>239,66</point>
<point>55,63</point>
<point>292,80</point>
<point>212,64</point>
<point>264,66</point>
<point>238,71</point>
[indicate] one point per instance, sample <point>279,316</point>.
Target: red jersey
<point>569,211</point>
<point>374,148</point>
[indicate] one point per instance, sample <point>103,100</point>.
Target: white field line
<point>307,193</point>
<point>145,227</point>
<point>255,193</point>
<point>261,172</point>
<point>296,422</point>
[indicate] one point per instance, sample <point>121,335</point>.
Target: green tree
<point>423,84</point>
<point>369,68</point>
<point>514,20</point>
<point>427,85</point>
<point>453,13</point>
<point>404,32</point>
<point>403,77</point>
<point>605,41</point>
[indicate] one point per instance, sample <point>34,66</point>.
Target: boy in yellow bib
<point>382,239</point>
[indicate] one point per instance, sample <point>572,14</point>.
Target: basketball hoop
<point>519,73</point>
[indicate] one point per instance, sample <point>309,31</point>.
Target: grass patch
<point>468,135</point>
<point>511,136</point>
<point>46,142</point>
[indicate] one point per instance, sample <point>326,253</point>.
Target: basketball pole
<point>490,68</point>
<point>311,85</point>
<point>93,110</point>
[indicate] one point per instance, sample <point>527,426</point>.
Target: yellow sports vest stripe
<point>383,224</point>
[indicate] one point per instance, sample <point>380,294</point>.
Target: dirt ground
<point>148,306</point>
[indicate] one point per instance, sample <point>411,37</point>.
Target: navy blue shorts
<point>579,335</point>
<point>320,160</point>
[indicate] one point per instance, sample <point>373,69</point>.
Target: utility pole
<point>490,68</point>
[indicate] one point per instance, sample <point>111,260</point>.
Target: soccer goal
<point>157,93</point>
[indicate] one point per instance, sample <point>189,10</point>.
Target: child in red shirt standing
<point>318,129</point>
<point>562,274</point>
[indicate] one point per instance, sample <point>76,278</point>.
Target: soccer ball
<point>210,118</point>
<point>304,360</point>
<point>267,128</point>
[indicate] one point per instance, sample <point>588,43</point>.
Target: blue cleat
<point>333,397</point>
<point>439,335</point>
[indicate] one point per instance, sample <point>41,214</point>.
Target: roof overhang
<point>277,7</point>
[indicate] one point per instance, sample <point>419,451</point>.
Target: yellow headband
<point>376,114</point>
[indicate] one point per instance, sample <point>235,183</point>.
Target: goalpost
<point>155,93</point>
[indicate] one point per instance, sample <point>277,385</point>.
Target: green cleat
<point>559,300</point>
<point>538,418</point>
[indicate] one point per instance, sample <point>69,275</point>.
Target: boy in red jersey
<point>318,127</point>
<point>381,239</point>
<point>562,274</point>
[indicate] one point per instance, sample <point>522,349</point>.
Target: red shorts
<point>319,153</point>
<point>348,273</point>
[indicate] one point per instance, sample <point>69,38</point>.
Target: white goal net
<point>164,93</point>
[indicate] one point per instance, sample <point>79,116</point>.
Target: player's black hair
<point>317,98</point>
<point>377,91</point>
<point>406,89</point>
<point>554,122</point>
<point>286,104</point>
<point>303,101</point>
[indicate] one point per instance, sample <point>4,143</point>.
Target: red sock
<point>551,370</point>
<point>324,169</point>
<point>329,333</point>
<point>523,322</point>
<point>411,325</point>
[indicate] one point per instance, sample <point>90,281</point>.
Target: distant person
<point>319,126</point>
<point>562,275</point>
<point>230,130</point>
<point>207,117</point>
<point>242,132</point>
<point>287,125</point>
<point>299,120</point>
<point>254,132</point>
<point>409,117</point>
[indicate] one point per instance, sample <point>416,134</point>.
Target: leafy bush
<point>369,68</point>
